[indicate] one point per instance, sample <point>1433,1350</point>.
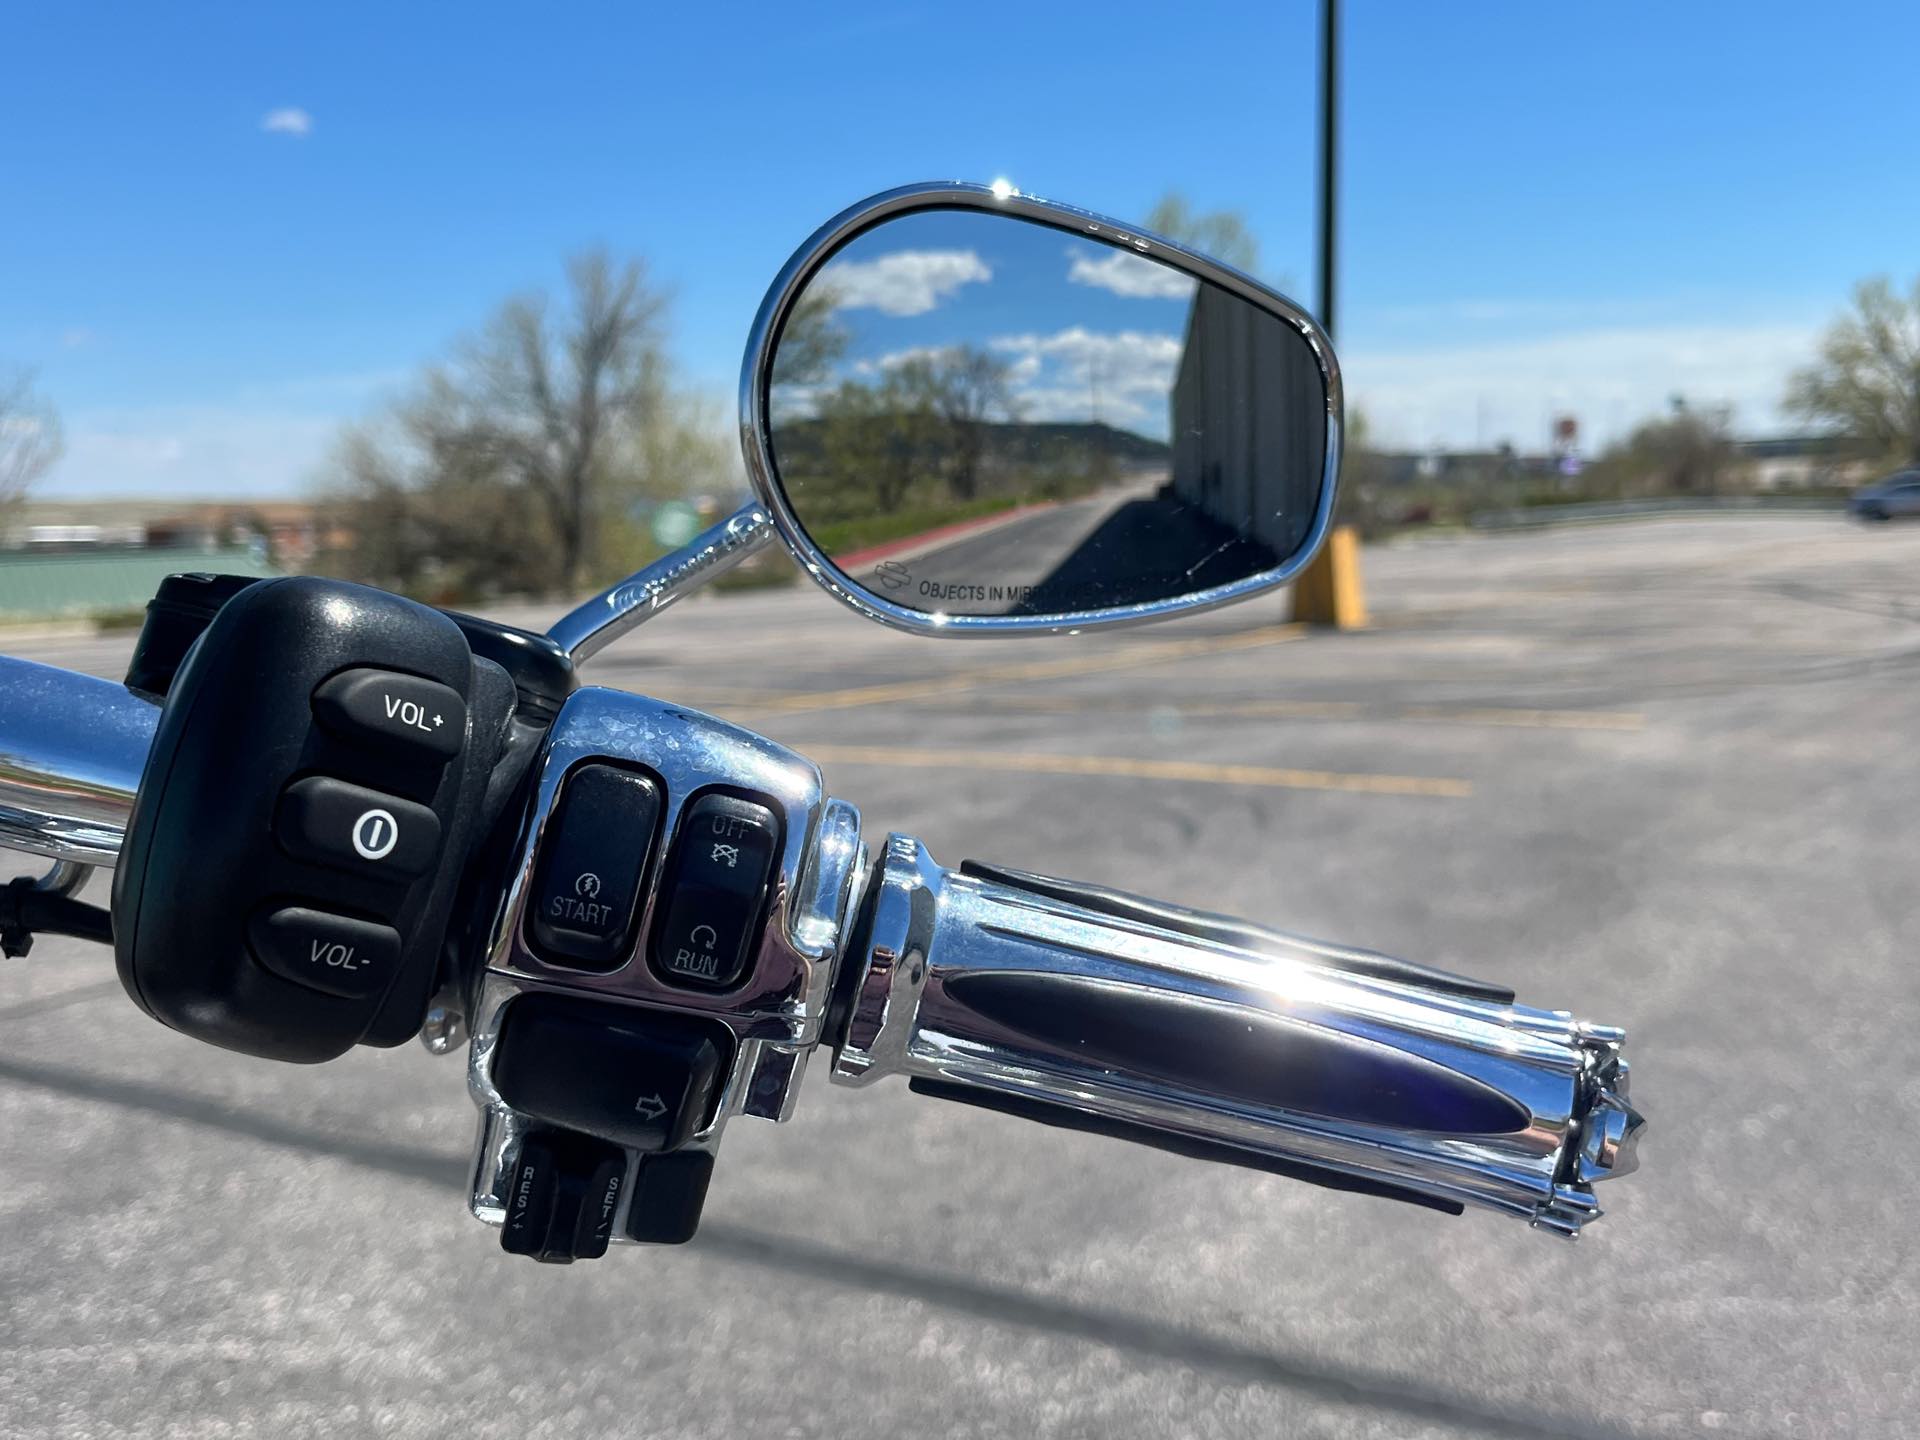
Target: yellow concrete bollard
<point>1329,591</point>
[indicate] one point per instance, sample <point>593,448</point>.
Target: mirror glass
<point>975,414</point>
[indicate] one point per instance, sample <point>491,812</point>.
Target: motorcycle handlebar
<point>1099,1011</point>
<point>72,748</point>
<point>1081,1007</point>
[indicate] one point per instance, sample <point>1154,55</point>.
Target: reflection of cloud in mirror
<point>907,282</point>
<point>1075,374</point>
<point>1128,275</point>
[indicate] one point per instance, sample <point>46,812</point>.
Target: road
<point>1662,773</point>
<point>970,573</point>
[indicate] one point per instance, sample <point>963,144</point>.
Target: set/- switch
<point>715,892</point>
<point>593,867</point>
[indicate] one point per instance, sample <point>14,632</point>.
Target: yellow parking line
<point>1337,710</point>
<point>915,757</point>
<point>1134,655</point>
<point>1537,719</point>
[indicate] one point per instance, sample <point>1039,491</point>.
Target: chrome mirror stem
<point>595,624</point>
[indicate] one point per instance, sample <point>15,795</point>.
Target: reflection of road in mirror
<point>978,415</point>
<point>1107,549</point>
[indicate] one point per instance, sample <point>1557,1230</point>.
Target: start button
<point>592,868</point>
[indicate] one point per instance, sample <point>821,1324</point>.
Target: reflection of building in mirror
<point>1248,422</point>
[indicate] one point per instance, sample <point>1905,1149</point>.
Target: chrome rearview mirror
<point>970,411</point>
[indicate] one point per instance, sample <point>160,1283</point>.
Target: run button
<point>715,893</point>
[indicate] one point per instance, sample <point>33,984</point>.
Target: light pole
<point>1329,152</point>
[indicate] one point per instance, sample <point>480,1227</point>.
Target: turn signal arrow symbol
<point>650,1107</point>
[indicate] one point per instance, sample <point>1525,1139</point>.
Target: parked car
<point>1897,495</point>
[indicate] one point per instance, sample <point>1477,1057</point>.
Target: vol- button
<point>335,953</point>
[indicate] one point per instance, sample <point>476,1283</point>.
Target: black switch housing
<point>592,868</point>
<point>201,863</point>
<point>713,897</point>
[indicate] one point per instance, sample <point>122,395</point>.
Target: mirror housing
<point>1140,598</point>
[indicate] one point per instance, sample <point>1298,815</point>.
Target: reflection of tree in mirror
<point>970,388</point>
<point>924,416</point>
<point>941,432</point>
<point>811,343</point>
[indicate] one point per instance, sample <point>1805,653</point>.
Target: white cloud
<point>1128,275</point>
<point>1078,374</point>
<point>907,282</point>
<point>1609,378</point>
<point>288,120</point>
<point>75,337</point>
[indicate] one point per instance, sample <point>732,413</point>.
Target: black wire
<point>26,910</point>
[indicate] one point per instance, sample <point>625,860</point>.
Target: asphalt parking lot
<point>1660,773</point>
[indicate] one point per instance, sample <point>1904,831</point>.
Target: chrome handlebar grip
<point>72,748</point>
<point>1096,1016</point>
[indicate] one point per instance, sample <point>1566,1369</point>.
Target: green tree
<point>1222,234</point>
<point>1866,383</point>
<point>1685,452</point>
<point>877,439</point>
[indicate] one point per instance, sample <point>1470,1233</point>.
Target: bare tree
<point>514,466</point>
<point>30,439</point>
<point>1866,384</point>
<point>552,401</point>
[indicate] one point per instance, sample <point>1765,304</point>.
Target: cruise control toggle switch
<point>715,892</point>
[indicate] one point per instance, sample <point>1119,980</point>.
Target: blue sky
<point>1545,206</point>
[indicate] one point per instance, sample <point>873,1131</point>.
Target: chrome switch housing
<point>776,1009</point>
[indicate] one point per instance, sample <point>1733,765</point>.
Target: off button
<point>334,953</point>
